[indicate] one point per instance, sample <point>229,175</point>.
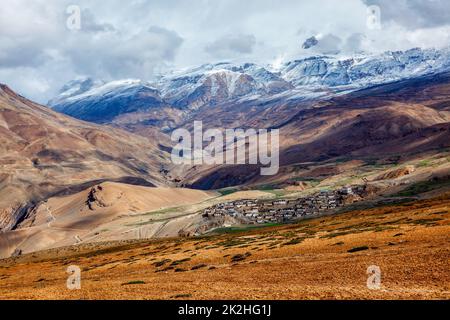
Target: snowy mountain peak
<point>75,88</point>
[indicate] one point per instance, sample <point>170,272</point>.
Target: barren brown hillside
<point>399,119</point>
<point>43,153</point>
<point>108,211</point>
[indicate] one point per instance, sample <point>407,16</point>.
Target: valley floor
<point>325,258</point>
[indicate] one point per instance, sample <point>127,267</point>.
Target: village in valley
<point>286,210</point>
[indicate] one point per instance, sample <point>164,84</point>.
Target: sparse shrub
<point>178,262</point>
<point>356,249</point>
<point>165,269</point>
<point>240,257</point>
<point>161,263</point>
<point>199,266</point>
<point>179,296</point>
<point>133,282</point>
<point>293,241</point>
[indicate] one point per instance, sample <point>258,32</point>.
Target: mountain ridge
<point>223,83</point>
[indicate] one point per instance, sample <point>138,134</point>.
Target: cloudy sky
<point>144,38</point>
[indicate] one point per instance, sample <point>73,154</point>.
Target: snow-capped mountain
<point>75,88</point>
<point>100,102</point>
<point>214,84</point>
<point>365,70</point>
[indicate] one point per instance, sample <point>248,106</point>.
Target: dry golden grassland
<point>325,258</point>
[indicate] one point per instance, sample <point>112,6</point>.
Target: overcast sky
<point>143,38</point>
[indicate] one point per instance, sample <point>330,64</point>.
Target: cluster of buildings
<point>282,210</point>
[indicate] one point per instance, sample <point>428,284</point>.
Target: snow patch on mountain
<point>102,102</point>
<point>365,70</point>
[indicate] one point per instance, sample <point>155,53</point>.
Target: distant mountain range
<point>186,91</point>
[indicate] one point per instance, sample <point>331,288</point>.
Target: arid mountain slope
<point>338,131</point>
<point>375,117</point>
<point>107,211</point>
<point>398,119</point>
<point>44,153</point>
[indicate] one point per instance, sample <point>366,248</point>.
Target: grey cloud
<point>27,54</point>
<point>232,44</point>
<point>89,23</point>
<point>112,55</point>
<point>414,13</point>
<point>354,42</point>
<point>329,44</point>
<point>168,41</point>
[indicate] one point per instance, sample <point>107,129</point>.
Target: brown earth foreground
<point>308,260</point>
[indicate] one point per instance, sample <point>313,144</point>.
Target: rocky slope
<point>400,120</point>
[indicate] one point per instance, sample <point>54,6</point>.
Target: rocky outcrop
<point>94,200</point>
<point>310,42</point>
<point>16,253</point>
<point>398,173</point>
<point>11,216</point>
